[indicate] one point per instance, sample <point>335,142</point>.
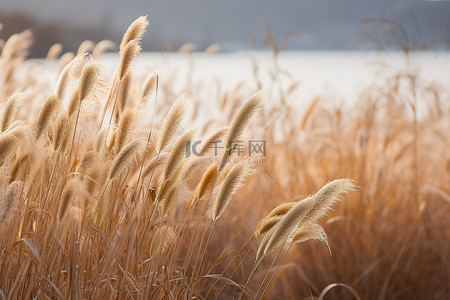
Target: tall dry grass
<point>97,202</point>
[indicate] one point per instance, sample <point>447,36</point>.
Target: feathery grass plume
<point>236,103</point>
<point>19,168</point>
<point>126,58</point>
<point>17,45</point>
<point>328,195</point>
<point>102,206</point>
<point>163,238</point>
<point>9,109</point>
<point>177,154</point>
<point>60,129</point>
<point>229,186</point>
<point>273,218</point>
<point>191,166</point>
<point>213,137</point>
<point>122,97</point>
<point>102,47</point>
<point>100,138</point>
<point>24,137</point>
<point>164,186</point>
<point>239,124</point>
<point>54,51</point>
<point>88,79</point>
<point>149,85</point>
<point>287,225</point>
<point>71,221</point>
<point>186,48</point>
<point>206,183</point>
<point>171,123</point>
<point>64,74</point>
<point>168,199</point>
<point>124,128</point>
<point>66,138</point>
<point>214,48</point>
<point>281,209</point>
<point>310,231</point>
<point>85,47</point>
<point>64,60</point>
<point>8,201</point>
<point>87,162</point>
<point>125,157</point>
<point>260,252</point>
<point>134,32</point>
<point>50,107</point>
<point>154,163</point>
<point>66,198</point>
<point>266,224</point>
<point>307,210</point>
<point>8,144</point>
<point>93,183</point>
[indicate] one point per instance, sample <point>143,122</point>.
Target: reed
<point>122,212</point>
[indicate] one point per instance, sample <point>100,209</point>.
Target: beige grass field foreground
<point>101,199</point>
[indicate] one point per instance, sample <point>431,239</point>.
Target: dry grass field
<point>106,194</point>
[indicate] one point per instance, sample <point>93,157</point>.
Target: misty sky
<point>319,24</point>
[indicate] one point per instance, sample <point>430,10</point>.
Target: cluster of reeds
<point>100,197</point>
<point>97,203</point>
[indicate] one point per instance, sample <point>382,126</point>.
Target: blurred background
<point>233,24</point>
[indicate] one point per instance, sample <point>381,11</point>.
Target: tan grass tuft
<point>206,183</point>
<point>54,51</point>
<point>310,231</point>
<point>66,70</point>
<point>60,130</point>
<point>125,157</point>
<point>306,211</point>
<point>124,90</point>
<point>177,154</point>
<point>266,224</point>
<point>134,32</point>
<point>328,195</point>
<point>16,47</point>
<point>85,47</point>
<point>20,168</point>
<point>239,124</point>
<point>102,47</point>
<point>230,185</point>
<point>9,201</point>
<point>50,107</point>
<point>88,79</point>
<point>281,209</point>
<point>163,238</point>
<point>168,199</point>
<point>154,163</point>
<point>126,58</point>
<point>100,140</point>
<point>150,84</point>
<point>88,161</point>
<point>171,123</point>
<point>8,144</point>
<point>213,137</point>
<point>66,198</point>
<point>9,109</point>
<point>124,128</point>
